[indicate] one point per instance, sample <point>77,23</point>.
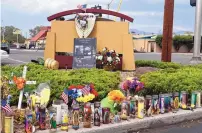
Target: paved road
<point>24,56</point>
<point>186,127</point>
<point>182,58</point>
<point>17,57</point>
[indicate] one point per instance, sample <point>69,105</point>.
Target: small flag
<point>64,96</point>
<point>85,90</point>
<point>5,106</point>
<point>82,6</point>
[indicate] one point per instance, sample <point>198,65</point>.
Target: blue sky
<point>147,14</point>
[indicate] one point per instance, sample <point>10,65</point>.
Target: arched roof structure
<point>96,11</point>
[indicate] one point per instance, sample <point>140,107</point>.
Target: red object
<point>79,86</point>
<point>42,33</point>
<point>94,92</point>
<point>97,11</point>
<point>64,61</point>
<point>71,87</point>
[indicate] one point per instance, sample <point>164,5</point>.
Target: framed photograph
<point>84,55</point>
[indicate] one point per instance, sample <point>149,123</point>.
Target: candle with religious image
<point>42,118</point>
<point>75,117</point>
<point>96,114</point>
<point>141,111</point>
<point>87,115</point>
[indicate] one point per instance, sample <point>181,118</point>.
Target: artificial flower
<point>86,98</point>
<point>71,87</point>
<point>116,95</point>
<point>100,57</point>
<point>109,59</point>
<point>117,58</point>
<point>79,86</point>
<point>111,51</point>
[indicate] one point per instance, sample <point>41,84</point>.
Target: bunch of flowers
<point>132,85</point>
<point>82,93</point>
<point>116,95</point>
<point>85,98</point>
<point>108,58</point>
<point>113,100</point>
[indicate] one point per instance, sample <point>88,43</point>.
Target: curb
<point>138,124</point>
<point>31,50</point>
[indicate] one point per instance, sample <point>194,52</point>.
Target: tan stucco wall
<point>142,45</point>
<point>114,35</point>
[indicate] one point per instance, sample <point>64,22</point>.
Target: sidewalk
<point>29,50</point>
<point>137,124</point>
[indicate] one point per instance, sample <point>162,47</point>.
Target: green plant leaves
<point>104,81</point>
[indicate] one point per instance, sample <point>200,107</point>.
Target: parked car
<point>22,46</point>
<point>31,46</point>
<point>4,54</point>
<point>5,47</point>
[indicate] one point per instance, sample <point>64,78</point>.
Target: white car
<point>4,54</point>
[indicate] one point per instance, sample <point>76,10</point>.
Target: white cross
<point>22,91</point>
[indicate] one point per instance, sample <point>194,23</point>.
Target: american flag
<point>85,90</point>
<point>64,96</point>
<point>82,6</point>
<point>6,107</point>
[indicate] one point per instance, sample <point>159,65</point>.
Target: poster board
<point>84,55</point>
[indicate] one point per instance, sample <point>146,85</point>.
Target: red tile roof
<point>41,34</point>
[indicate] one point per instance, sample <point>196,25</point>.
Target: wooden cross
<point>22,91</point>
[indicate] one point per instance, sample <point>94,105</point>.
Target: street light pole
<point>197,34</point>
<point>3,28</point>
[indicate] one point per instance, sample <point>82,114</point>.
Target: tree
<point>35,31</point>
<point>9,36</point>
<point>159,40</point>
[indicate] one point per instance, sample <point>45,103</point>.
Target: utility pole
<point>167,31</point>
<point>197,34</point>
<point>3,28</point>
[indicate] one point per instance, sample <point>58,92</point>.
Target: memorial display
<point>59,116</point>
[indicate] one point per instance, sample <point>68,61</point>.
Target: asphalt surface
<point>185,127</point>
<point>18,57</point>
<point>183,58</point>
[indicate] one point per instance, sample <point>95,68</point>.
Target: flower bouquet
<point>113,99</point>
<point>131,86</point>
<point>79,93</point>
<point>109,59</point>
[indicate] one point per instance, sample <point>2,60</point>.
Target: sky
<point>147,14</point>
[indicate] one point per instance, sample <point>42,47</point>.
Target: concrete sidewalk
<point>138,124</point>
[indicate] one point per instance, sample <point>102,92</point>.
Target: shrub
<point>187,78</point>
<point>159,40</point>
<point>178,41</point>
<point>59,79</point>
<point>157,64</point>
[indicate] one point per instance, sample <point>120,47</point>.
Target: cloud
<point>141,13</point>
<point>156,28</point>
<point>50,6</point>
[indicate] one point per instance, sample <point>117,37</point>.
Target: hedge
<point>157,64</point>
<point>104,81</point>
<point>171,77</point>
<point>178,41</point>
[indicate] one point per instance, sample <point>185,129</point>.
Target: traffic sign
<point>16,31</point>
<point>193,2</point>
